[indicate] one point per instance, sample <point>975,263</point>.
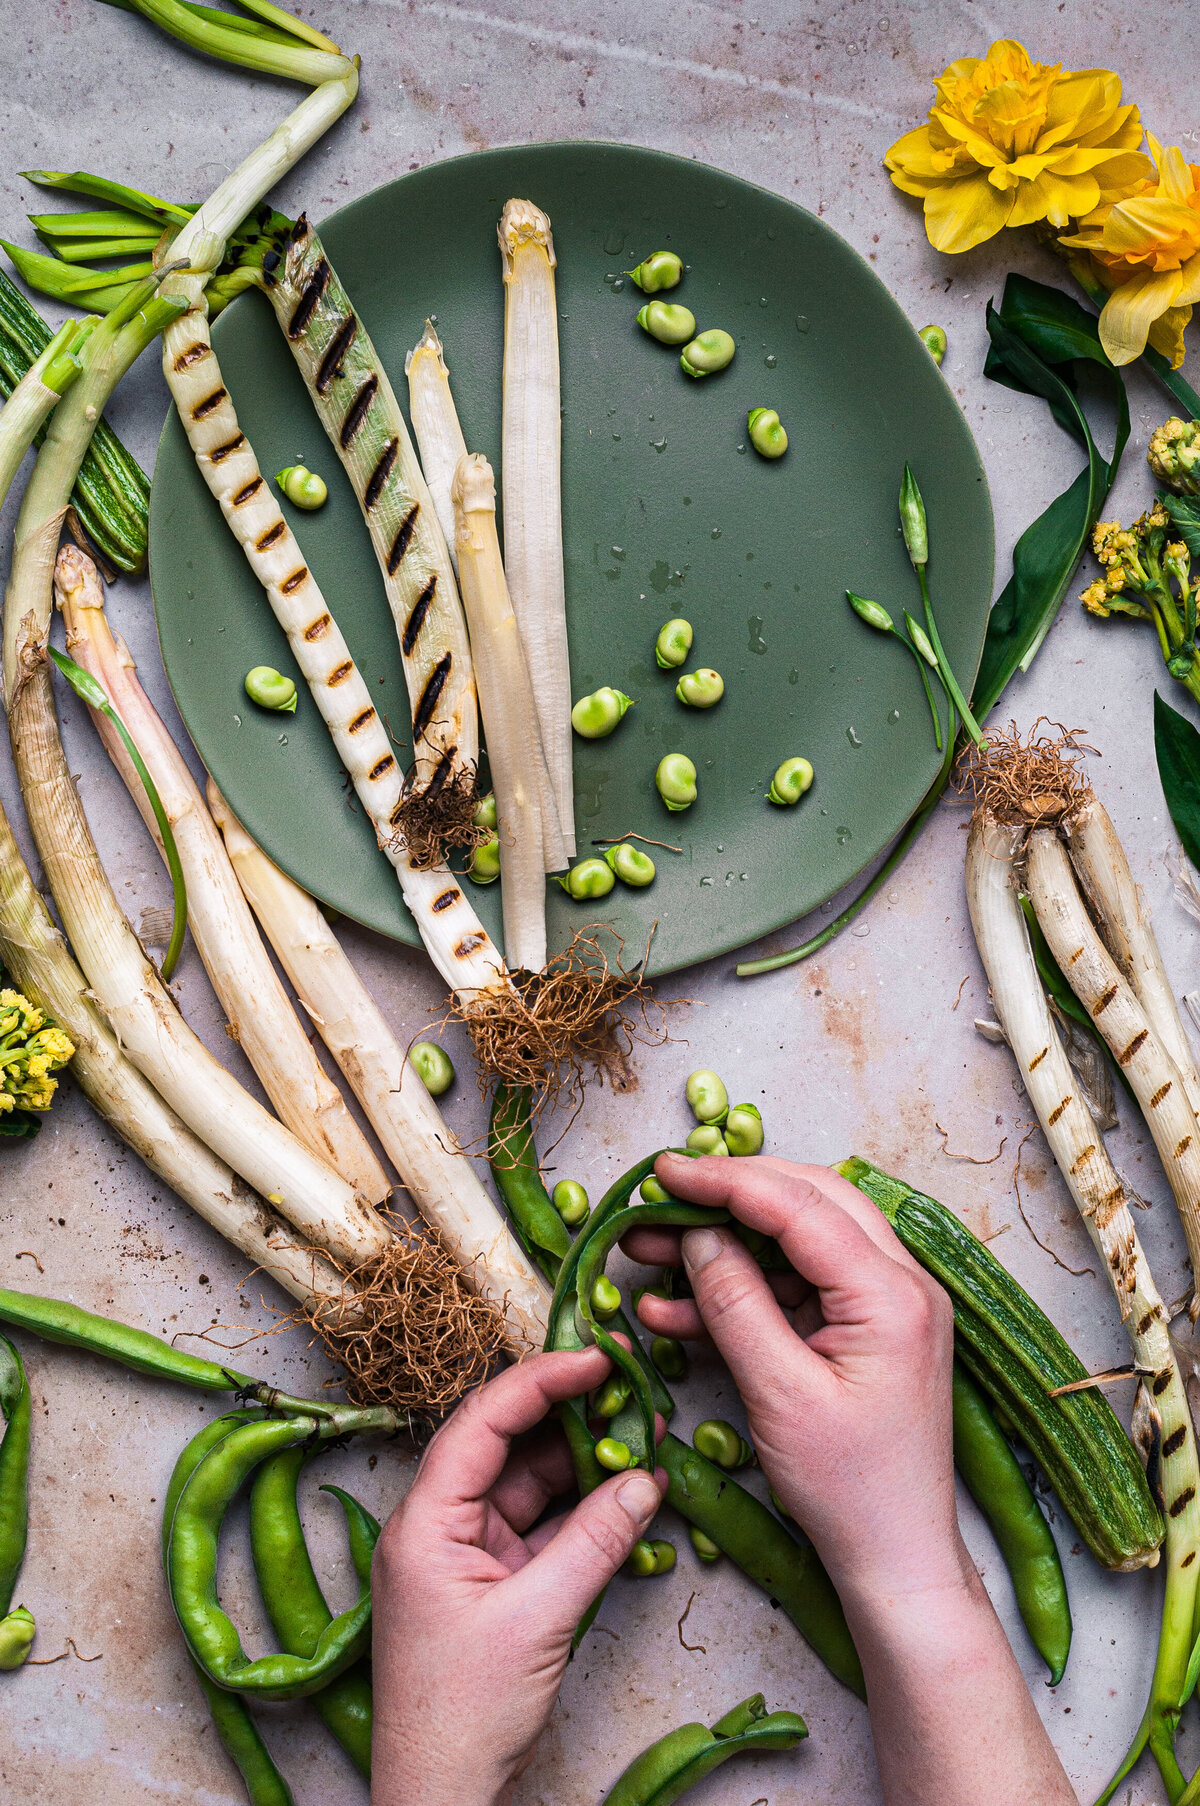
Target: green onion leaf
<point>1177,749</point>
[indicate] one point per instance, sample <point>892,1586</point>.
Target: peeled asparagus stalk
<point>525,814</point>
<point>438,1175</point>
<point>532,493</point>
<point>1114,1007</point>
<point>435,421</point>
<point>260,1016</point>
<point>456,940</point>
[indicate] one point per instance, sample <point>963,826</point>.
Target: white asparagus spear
<point>410,1126</point>
<point>435,421</point>
<point>256,1005</point>
<point>532,488</point>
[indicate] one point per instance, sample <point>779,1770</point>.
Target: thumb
<point>739,1309</point>
<point>596,1538</point>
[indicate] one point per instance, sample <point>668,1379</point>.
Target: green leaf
<point>1177,749</point>
<point>1185,514</point>
<point>20,1125</point>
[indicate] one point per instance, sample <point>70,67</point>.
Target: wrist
<point>408,1770</point>
<point>935,1574</point>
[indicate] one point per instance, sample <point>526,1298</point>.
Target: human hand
<point>849,1399</point>
<point>474,1619</point>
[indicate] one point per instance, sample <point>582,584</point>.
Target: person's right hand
<point>849,1402</point>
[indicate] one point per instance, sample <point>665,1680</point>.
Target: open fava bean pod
<point>684,1756</point>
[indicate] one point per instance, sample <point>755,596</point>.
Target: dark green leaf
<point>1185,514</point>
<point>19,1125</point>
<point>1177,749</point>
<point>1051,322</point>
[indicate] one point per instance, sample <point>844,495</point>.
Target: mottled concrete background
<point>869,1048</point>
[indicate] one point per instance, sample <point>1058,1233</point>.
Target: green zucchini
<point>111,496</point>
<point>1016,1355</point>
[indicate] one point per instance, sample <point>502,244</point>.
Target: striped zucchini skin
<point>359,411</point>
<point>1014,1352</point>
<point>112,492</point>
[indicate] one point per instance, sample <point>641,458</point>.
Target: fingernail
<point>699,1247</point>
<point>640,1497</point>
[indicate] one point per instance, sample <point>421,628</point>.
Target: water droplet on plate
<point>793,675</point>
<point>852,736</point>
<point>843,835</point>
<point>618,551</point>
<point>893,717</point>
<point>706,880</point>
<point>283,740</point>
<point>757,643</point>
<point>715,534</point>
<point>618,285</point>
<point>762,300</point>
<point>770,360</point>
<point>660,445</point>
<point>614,241</point>
<point>803,323</point>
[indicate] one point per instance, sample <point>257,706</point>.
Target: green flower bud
<point>912,519</point>
<point>271,690</point>
<point>675,781</point>
<point>606,1298</point>
<point>571,1202</point>
<point>700,689</point>
<point>433,1065</point>
<point>920,639</point>
<point>871,612</point>
<point>711,350</point>
<point>631,865</point>
<point>791,780</point>
<point>589,879</point>
<point>485,863</point>
<point>614,1455</point>
<point>718,1441</point>
<point>704,1546</point>
<point>707,1139</point>
<point>662,269</point>
<point>673,644</point>
<point>743,1130</point>
<point>934,340</point>
<point>667,322</point>
<point>303,488</point>
<point>485,811</point>
<point>706,1096</point>
<point>612,1396</point>
<point>670,1357</point>
<point>596,716</point>
<point>17,1632</point>
<point>767,433</point>
<point>653,1191</point>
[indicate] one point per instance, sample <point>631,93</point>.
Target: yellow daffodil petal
<point>1166,334</point>
<point>1132,308</point>
<point>1189,286</point>
<point>1052,197</point>
<point>961,214</point>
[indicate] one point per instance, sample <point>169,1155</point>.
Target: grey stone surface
<point>868,1048</point>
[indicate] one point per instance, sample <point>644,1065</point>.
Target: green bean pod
<point>677,1761</point>
<point>56,1321</point>
<point>295,1603</point>
<point>512,1157</point>
<point>211,1637</point>
<point>17,1410</point>
<point>992,1475</point>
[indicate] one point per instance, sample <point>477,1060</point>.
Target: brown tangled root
<point>550,1030</point>
<point>1029,782</point>
<point>411,1333</point>
<point>439,819</point>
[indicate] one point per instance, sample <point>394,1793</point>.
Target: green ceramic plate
<point>667,512</point>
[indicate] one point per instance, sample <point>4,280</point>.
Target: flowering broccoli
<point>1146,575</point>
<point>1174,455</point>
<point>32,1049</point>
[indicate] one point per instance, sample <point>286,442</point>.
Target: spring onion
<point>435,422</point>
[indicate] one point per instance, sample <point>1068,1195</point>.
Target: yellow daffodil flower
<point>1145,249</point>
<point>1010,142</point>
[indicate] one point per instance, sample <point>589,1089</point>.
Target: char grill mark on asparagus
<point>339,345</point>
<point>251,488</point>
<point>400,544</point>
<point>381,473</point>
<point>306,307</point>
<point>430,695</point>
<point>416,619</point>
<point>356,413</point>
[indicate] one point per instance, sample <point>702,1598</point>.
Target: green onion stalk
<point>37,394</point>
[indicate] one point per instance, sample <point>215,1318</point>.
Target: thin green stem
<point>250,48</point>
<point>945,671</point>
<point>923,668</point>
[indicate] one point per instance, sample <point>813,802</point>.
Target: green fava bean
<point>653,1191</point>
<point>271,690</point>
<point>700,689</point>
<point>631,865</point>
<point>664,1556</point>
<point>433,1065</point>
<point>613,1396</point>
<point>675,781</point>
<point>594,717</point>
<point>790,782</point>
<point>718,1441</point>
<point>767,434</point>
<point>743,1130</point>
<point>707,1139</point>
<point>673,644</point>
<point>613,1455</point>
<point>667,322</point>
<point>709,351</point>
<point>704,1546</point>
<point>642,1560</point>
<point>662,269</point>
<point>303,488</point>
<point>571,1202</point>
<point>485,863</point>
<point>17,1632</point>
<point>707,1097</point>
<point>590,879</point>
<point>606,1297</point>
<point>484,815</point>
<point>934,340</point>
<point>670,1357</point>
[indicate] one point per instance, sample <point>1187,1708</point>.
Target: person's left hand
<point>473,1619</point>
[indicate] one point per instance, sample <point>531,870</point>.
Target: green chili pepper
<point>677,1761</point>
<point>631,865</point>
<point>707,1096</point>
<point>673,644</point>
<point>670,1357</point>
<point>743,1130</point>
<point>662,269</point>
<point>295,1604</point>
<point>767,434</point>
<point>790,782</point>
<point>934,340</point>
<point>614,1455</point>
<point>700,689</point>
<point>303,488</point>
<point>571,1202</point>
<point>706,1138</point>
<point>17,1631</point>
<point>512,1157</point>
<point>271,690</point>
<point>484,815</point>
<point>675,781</point>
<point>17,1411</point>
<point>212,1640</point>
<point>589,880</point>
<point>718,1441</point>
<point>485,863</point>
<point>433,1067</point>
<point>594,717</point>
<point>993,1477</point>
<point>667,321</point>
<point>612,1396</point>
<point>709,351</point>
